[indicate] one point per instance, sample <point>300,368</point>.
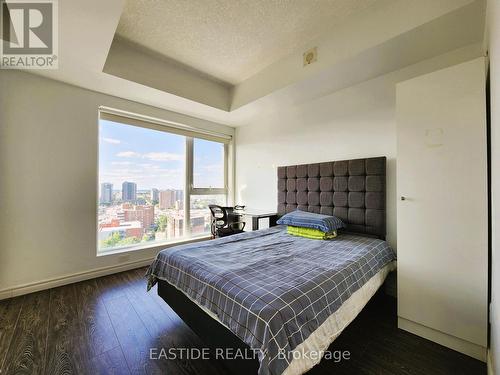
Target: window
<point>209,158</point>
<point>156,182</point>
<point>209,181</point>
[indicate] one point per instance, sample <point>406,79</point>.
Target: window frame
<point>206,190</point>
<point>190,133</point>
<point>190,190</point>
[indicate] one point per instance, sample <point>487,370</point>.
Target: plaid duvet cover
<point>271,289</point>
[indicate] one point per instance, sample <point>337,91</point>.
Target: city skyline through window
<point>142,178</point>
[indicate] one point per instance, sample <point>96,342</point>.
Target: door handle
<point>403,198</point>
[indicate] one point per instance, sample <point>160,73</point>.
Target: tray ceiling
<point>388,36</point>
<point>230,40</point>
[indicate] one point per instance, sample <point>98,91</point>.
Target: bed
<point>284,297</point>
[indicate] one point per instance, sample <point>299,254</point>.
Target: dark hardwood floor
<point>108,326</point>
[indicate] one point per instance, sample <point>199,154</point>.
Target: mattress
<point>278,292</point>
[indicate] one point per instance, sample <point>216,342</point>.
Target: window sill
<point>157,246</point>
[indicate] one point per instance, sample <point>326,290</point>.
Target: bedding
<point>272,290</point>
<point>314,234</point>
<point>324,223</point>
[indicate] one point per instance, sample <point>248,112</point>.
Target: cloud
<point>212,167</point>
<point>147,167</point>
<point>111,140</point>
<point>162,156</point>
<point>153,156</point>
<point>128,154</point>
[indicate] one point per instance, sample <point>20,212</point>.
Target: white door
<point>442,221</point>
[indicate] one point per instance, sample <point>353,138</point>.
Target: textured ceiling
<point>230,40</point>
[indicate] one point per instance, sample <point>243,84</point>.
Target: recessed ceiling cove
<point>230,40</point>
<point>232,59</point>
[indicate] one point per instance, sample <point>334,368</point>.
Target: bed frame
<point>353,190</point>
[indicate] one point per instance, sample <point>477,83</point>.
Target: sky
<point>154,159</point>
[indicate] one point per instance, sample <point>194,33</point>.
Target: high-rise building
<point>179,197</point>
<point>129,191</point>
<point>144,214</point>
<point>106,192</point>
<point>167,199</point>
<point>175,225</point>
<point>155,195</point>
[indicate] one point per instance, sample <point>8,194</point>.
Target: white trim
<point>226,169</point>
<point>489,363</point>
<point>188,184</point>
<point>71,278</point>
<point>231,173</point>
<point>155,246</point>
<point>452,342</point>
<point>208,191</point>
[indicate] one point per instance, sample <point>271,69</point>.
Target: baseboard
<point>72,278</point>
<point>489,363</point>
<point>452,342</point>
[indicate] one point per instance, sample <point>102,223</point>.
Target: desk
<point>257,215</point>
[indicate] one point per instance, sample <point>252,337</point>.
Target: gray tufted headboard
<point>353,190</point>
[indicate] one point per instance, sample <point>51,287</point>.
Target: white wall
<point>356,122</point>
<point>378,24</point>
<point>48,178</point>
<point>352,123</point>
<point>494,53</point>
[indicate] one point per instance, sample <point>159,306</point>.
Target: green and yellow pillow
<point>311,233</point>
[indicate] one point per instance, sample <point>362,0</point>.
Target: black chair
<point>224,221</point>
